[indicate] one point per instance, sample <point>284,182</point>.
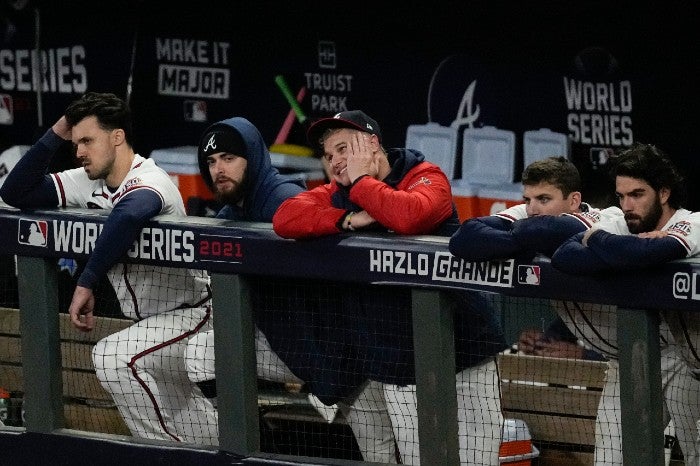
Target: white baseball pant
<point>479,417</point>
<point>367,415</point>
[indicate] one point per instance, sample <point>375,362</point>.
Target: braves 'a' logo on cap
<point>32,232</point>
<point>211,144</point>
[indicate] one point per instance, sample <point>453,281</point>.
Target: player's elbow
<point>14,197</point>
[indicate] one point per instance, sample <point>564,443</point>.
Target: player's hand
<point>558,349</point>
<point>81,309</point>
<point>62,129</point>
<point>362,220</point>
<point>528,340</point>
<point>653,234</point>
<point>362,158</point>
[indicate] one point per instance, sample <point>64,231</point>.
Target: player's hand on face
<point>62,129</point>
<point>361,159</point>
<point>81,309</point>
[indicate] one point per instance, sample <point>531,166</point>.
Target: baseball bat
<point>282,84</point>
<point>289,121</point>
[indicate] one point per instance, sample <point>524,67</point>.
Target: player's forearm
<point>478,239</point>
<point>544,234</point>
<point>573,257</point>
<point>121,229</point>
<point>299,218</point>
<point>420,210</point>
<point>632,252</point>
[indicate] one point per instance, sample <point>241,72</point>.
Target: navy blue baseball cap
<point>354,119</point>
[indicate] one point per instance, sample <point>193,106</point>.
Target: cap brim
<point>317,128</point>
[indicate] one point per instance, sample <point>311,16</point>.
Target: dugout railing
<point>230,250</point>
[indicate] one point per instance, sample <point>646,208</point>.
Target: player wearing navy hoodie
<point>235,163</point>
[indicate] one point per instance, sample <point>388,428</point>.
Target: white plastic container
<point>495,198</point>
<point>488,155</point>
<point>183,168</point>
<point>516,444</point>
<point>542,143</point>
<point>464,195</point>
<point>438,144</point>
<point>9,158</point>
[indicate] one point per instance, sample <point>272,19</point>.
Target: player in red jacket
<point>372,188</point>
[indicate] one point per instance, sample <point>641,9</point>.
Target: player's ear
<point>575,201</point>
<point>374,142</point>
<point>664,195</point>
<point>118,137</point>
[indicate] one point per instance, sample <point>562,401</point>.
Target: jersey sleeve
<point>309,214</point>
<point>419,205</point>
<point>120,230</point>
<point>484,238</point>
<point>687,233</point>
<point>545,233</point>
<point>609,251</point>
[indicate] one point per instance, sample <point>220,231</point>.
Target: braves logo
<point>211,144</point>
<point>466,106</point>
<point>423,180</point>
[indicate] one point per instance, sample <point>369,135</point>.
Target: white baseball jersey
<point>684,226</point>
<point>142,290</point>
<point>596,324</point>
<point>588,215</point>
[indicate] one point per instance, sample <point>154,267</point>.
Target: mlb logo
<point>7,114</point>
<point>195,110</point>
<point>529,274</point>
<point>32,232</point>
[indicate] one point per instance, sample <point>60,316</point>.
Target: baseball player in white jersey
<point>142,366</point>
<point>552,213</point>
<point>655,229</point>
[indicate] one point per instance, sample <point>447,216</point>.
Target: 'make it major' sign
<point>193,68</point>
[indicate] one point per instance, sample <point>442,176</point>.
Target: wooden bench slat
<point>83,385</point>
<point>559,371</point>
<point>9,324</point>
<point>518,396</point>
<point>9,321</point>
<point>11,378</point>
<point>560,429</point>
<point>94,419</point>
<point>76,384</point>
<point>74,355</point>
<point>551,457</point>
<point>558,400</point>
<point>104,326</point>
<point>10,350</point>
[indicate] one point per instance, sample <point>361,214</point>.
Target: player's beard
<point>234,195</point>
<point>641,224</point>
